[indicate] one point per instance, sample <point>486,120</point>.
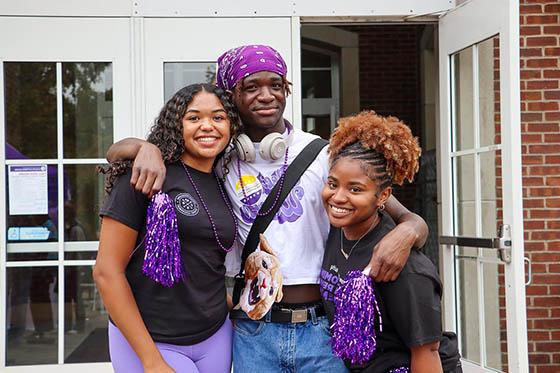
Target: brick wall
<point>540,117</point>
<point>390,79</point>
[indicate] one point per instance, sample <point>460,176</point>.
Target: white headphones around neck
<point>272,146</point>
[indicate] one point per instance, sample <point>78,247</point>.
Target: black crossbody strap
<point>293,174</point>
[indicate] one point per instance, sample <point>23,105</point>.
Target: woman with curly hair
<point>180,325</point>
<point>367,154</point>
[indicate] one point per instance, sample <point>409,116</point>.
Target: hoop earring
<point>382,207</point>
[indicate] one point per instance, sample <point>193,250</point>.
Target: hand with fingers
<point>391,253</point>
<point>148,170</point>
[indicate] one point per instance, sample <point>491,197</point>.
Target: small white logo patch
<point>186,204</point>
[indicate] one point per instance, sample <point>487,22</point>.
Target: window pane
<point>314,59</point>
<point>468,306</point>
<point>85,318</point>
<point>489,90</point>
<point>31,298</point>
<point>180,74</point>
<point>83,196</point>
<point>87,108</point>
<point>463,95</point>
<point>30,102</point>
<point>316,84</point>
<point>465,196</point>
<point>34,237</point>
<point>318,125</point>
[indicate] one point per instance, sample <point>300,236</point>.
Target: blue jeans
<point>261,346</point>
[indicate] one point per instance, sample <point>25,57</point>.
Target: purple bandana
<point>240,62</point>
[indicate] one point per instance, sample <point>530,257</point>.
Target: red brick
<point>541,20</point>
<point>551,74</point>
<point>553,202</point>
<point>545,257</point>
<point>531,117</point>
<point>534,247</point>
<point>539,359</point>
<point>542,106</point>
<point>552,51</point>
<point>554,290</point>
<point>536,313</point>
<point>552,8</point>
<point>530,52</point>
<point>537,290</point>
<point>544,170</point>
<point>552,116</point>
<point>544,149</point>
<point>546,369</point>
<point>531,139</point>
<point>553,245</point>
<point>552,95</point>
<point>533,181</point>
<point>552,159</point>
<point>533,224</point>
<point>530,9</point>
<point>538,336</point>
<point>542,127</point>
<point>547,324</point>
<point>532,95</point>
<point>554,268</point>
<point>545,236</point>
<point>548,346</point>
<point>552,224</point>
<point>552,30</point>
<point>544,192</point>
<point>553,181</point>
<point>542,84</point>
<point>540,41</point>
<point>552,137</point>
<point>542,62</point>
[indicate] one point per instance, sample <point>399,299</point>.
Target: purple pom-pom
<point>400,370</point>
<point>353,330</point>
<point>162,260</point>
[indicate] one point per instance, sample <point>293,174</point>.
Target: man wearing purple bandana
<point>294,335</point>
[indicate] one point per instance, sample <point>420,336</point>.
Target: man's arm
<point>148,169</point>
<point>391,253</point>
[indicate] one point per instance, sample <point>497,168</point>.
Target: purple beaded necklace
<point>212,224</point>
<point>281,181</point>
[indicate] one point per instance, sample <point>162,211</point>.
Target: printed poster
<point>27,189</point>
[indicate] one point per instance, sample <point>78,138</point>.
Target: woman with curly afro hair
<point>369,153</point>
<point>179,326</point>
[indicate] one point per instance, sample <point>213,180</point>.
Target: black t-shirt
<point>190,311</point>
<point>410,306</point>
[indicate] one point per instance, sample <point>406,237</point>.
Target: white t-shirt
<point>298,233</point>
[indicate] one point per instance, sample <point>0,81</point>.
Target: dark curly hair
<point>386,146</point>
<point>167,131</point>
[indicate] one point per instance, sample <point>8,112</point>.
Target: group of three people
<point>217,193</point>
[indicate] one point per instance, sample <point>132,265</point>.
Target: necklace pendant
<point>343,253</point>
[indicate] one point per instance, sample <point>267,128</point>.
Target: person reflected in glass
<point>182,328</point>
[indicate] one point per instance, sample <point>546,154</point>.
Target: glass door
<point>62,94</point>
<point>320,82</point>
<point>480,174</point>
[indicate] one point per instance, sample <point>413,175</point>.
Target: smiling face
<point>261,100</point>
<point>206,131</point>
<point>352,198</point>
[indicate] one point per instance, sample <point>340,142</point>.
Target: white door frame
<point>466,25</point>
<point>49,40</point>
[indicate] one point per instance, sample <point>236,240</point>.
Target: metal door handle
<point>502,243</point>
<point>529,271</point>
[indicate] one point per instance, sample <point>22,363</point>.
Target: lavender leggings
<point>212,355</point>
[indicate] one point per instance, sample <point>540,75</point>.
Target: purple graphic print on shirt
<point>290,210</point>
